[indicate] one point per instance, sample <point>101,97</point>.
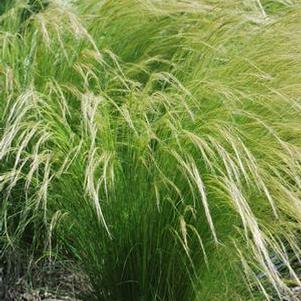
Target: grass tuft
<point>156,143</point>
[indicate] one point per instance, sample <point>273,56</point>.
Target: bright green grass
<point>155,142</point>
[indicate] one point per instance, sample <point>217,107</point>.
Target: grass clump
<point>157,143</point>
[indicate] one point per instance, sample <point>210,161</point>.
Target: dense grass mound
<point>157,143</point>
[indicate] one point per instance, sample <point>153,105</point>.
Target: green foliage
<point>155,142</point>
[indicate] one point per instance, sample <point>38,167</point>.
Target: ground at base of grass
<point>45,282</point>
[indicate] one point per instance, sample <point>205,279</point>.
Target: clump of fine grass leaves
<point>155,142</point>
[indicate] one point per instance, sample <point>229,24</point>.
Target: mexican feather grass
<point>157,143</point>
